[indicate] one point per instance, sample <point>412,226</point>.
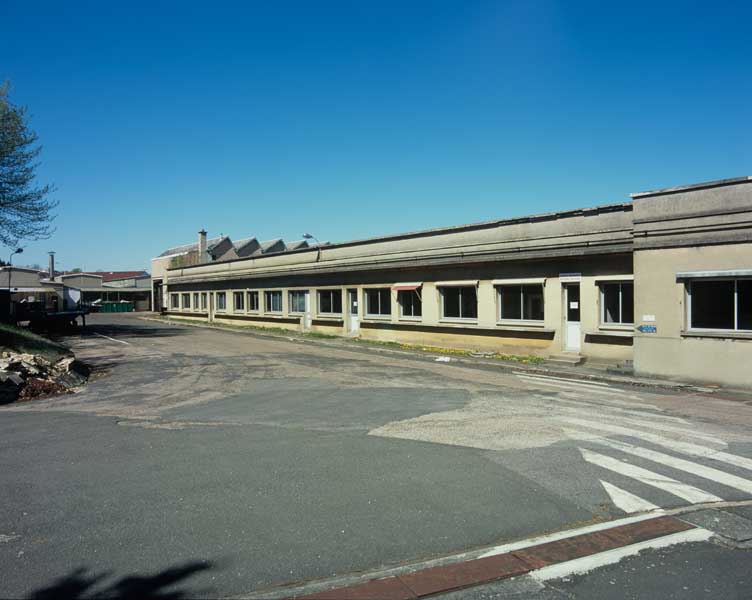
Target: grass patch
<point>319,335</point>
<point>18,339</point>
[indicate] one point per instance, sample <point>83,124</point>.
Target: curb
<point>464,360</point>
<point>436,580</point>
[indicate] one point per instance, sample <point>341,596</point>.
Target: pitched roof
<point>185,249</point>
<point>268,245</point>
<point>297,244</point>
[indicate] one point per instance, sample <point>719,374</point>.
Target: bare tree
<point>25,211</point>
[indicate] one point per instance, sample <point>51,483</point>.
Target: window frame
<point>204,300</point>
<point>249,304</point>
<point>688,304</point>
<point>183,305</point>
<point>602,323</point>
<point>442,304</point>
<point>194,302</point>
<point>331,291</point>
<point>223,295</point>
<point>367,309</point>
<point>267,295</point>
<point>401,308</point>
<point>174,301</point>
<point>290,293</point>
<point>501,319</point>
<point>235,295</point>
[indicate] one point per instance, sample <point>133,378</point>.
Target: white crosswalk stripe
<point>590,406</point>
<point>667,484</point>
<point>627,501</point>
<point>571,386</point>
<point>629,421</point>
<point>552,378</point>
<point>612,401</point>
<point>659,440</point>
<point>680,464</point>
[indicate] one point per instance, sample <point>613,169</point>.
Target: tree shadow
<point>80,584</point>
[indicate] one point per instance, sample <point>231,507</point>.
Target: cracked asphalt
<point>235,463</point>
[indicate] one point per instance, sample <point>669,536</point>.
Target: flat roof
<point>692,187</point>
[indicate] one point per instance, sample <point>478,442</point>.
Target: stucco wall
<point>658,293</point>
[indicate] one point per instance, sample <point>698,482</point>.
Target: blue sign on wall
<point>647,328</point>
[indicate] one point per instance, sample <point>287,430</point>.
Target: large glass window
<point>459,302</point>
<point>410,303</point>
<point>253,301</point>
<point>521,302</point>
<point>195,300</point>
<point>617,303</point>
<point>330,302</point>
<point>378,301</point>
<point>186,301</point>
<point>721,304</point>
<point>238,301</point>
<point>273,301</point>
<point>174,301</point>
<point>297,300</point>
<point>221,301</point>
<point>203,300</point>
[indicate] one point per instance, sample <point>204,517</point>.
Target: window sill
<point>613,327</point>
<point>520,324</point>
<point>411,319</point>
<point>718,334</point>
<point>506,326</point>
<point>330,316</point>
<point>623,333</point>
<point>463,322</point>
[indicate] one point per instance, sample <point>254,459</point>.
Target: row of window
<point>523,302</point>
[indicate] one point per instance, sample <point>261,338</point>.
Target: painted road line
<point>659,440</point>
<point>567,386</point>
<point>107,337</point>
<point>685,491</point>
<point>625,403</point>
<point>627,501</point>
<point>727,479</point>
<point>590,405</point>
<point>522,373</point>
<point>585,564</point>
<point>644,424</point>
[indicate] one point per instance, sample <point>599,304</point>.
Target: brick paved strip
<point>456,576</point>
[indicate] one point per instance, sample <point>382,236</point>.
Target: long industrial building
<point>663,281</point>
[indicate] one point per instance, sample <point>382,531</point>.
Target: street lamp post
<point>308,236</point>
<point>10,273</point>
<point>10,264</point>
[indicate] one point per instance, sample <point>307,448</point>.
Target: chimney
<point>203,257</point>
<point>51,275</point>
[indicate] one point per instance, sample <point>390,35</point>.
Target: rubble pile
<point>27,376</point>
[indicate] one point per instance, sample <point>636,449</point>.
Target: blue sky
<point>355,119</point>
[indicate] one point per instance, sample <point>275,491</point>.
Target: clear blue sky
<point>355,119</point>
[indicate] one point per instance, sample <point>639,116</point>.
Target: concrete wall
<point>670,352</point>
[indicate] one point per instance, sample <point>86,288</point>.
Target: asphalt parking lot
<point>228,463</point>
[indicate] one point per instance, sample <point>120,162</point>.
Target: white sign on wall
<point>570,277</point>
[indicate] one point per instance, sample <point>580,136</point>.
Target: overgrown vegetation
<point>17,339</point>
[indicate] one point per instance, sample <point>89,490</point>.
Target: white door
<point>307,317</point>
<point>572,317</point>
<point>354,313</point>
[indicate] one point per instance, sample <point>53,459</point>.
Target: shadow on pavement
<point>82,585</point>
